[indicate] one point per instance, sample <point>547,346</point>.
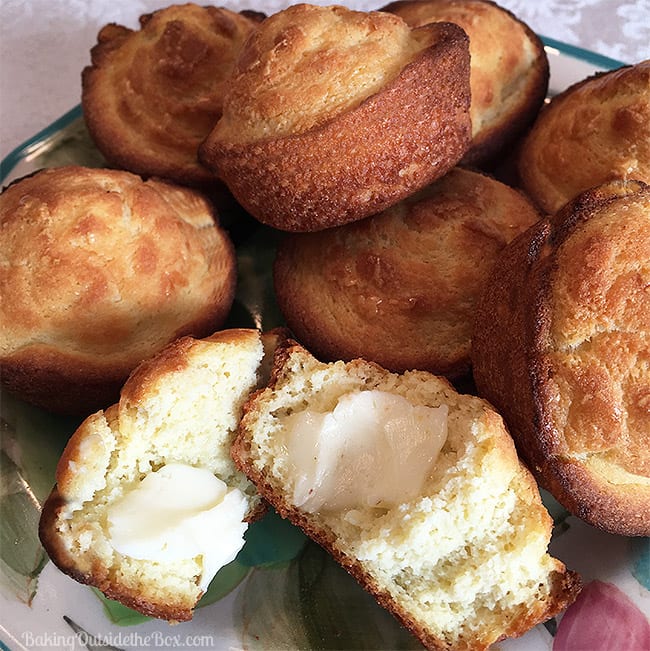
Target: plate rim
<point>588,56</point>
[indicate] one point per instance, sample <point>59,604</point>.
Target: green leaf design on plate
<point>271,540</point>
<point>314,603</point>
<point>32,441</point>
<point>640,552</point>
<point>339,614</point>
<point>21,554</point>
<point>224,582</point>
<point>267,610</point>
<point>119,613</point>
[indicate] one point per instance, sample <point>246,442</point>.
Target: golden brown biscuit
<point>562,349</point>
<point>101,270</point>
<point>334,114</point>
<point>152,95</point>
<point>454,542</point>
<point>509,69</point>
<point>176,418</point>
<point>595,131</point>
<point>399,288</point>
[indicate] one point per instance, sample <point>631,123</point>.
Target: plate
<point>282,592</point>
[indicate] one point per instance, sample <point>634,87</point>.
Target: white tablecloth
<point>44,44</point>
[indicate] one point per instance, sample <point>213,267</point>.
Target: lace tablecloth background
<point>44,44</point>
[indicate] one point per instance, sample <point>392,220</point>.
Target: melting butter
<point>374,449</point>
<point>180,512</point>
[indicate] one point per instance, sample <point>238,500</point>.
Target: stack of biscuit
<point>355,136</point>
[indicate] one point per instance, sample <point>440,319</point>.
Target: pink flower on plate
<point>603,618</point>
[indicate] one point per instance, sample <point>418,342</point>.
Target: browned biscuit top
<point>307,64</point>
<point>102,262</point>
<point>400,287</point>
<point>599,338</point>
<point>595,131</point>
<point>509,68</point>
<point>101,269</point>
<point>151,95</point>
<point>562,349</point>
<point>333,115</point>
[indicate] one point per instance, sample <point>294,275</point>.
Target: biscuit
<point>417,491</point>
<point>561,349</point>
<point>151,95</point>
<point>177,414</point>
<point>100,271</point>
<point>333,114</point>
<point>509,69</point>
<point>400,287</point>
<point>596,131</point>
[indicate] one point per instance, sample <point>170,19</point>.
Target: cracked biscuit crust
<point>100,271</point>
<point>595,131</point>
<point>150,96</point>
<point>332,115</point>
<point>562,349</point>
<point>509,69</point>
<point>400,287</point>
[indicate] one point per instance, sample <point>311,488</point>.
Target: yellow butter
<point>180,512</point>
<point>374,449</point>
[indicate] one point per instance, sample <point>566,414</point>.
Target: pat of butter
<point>374,449</point>
<point>180,512</point>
